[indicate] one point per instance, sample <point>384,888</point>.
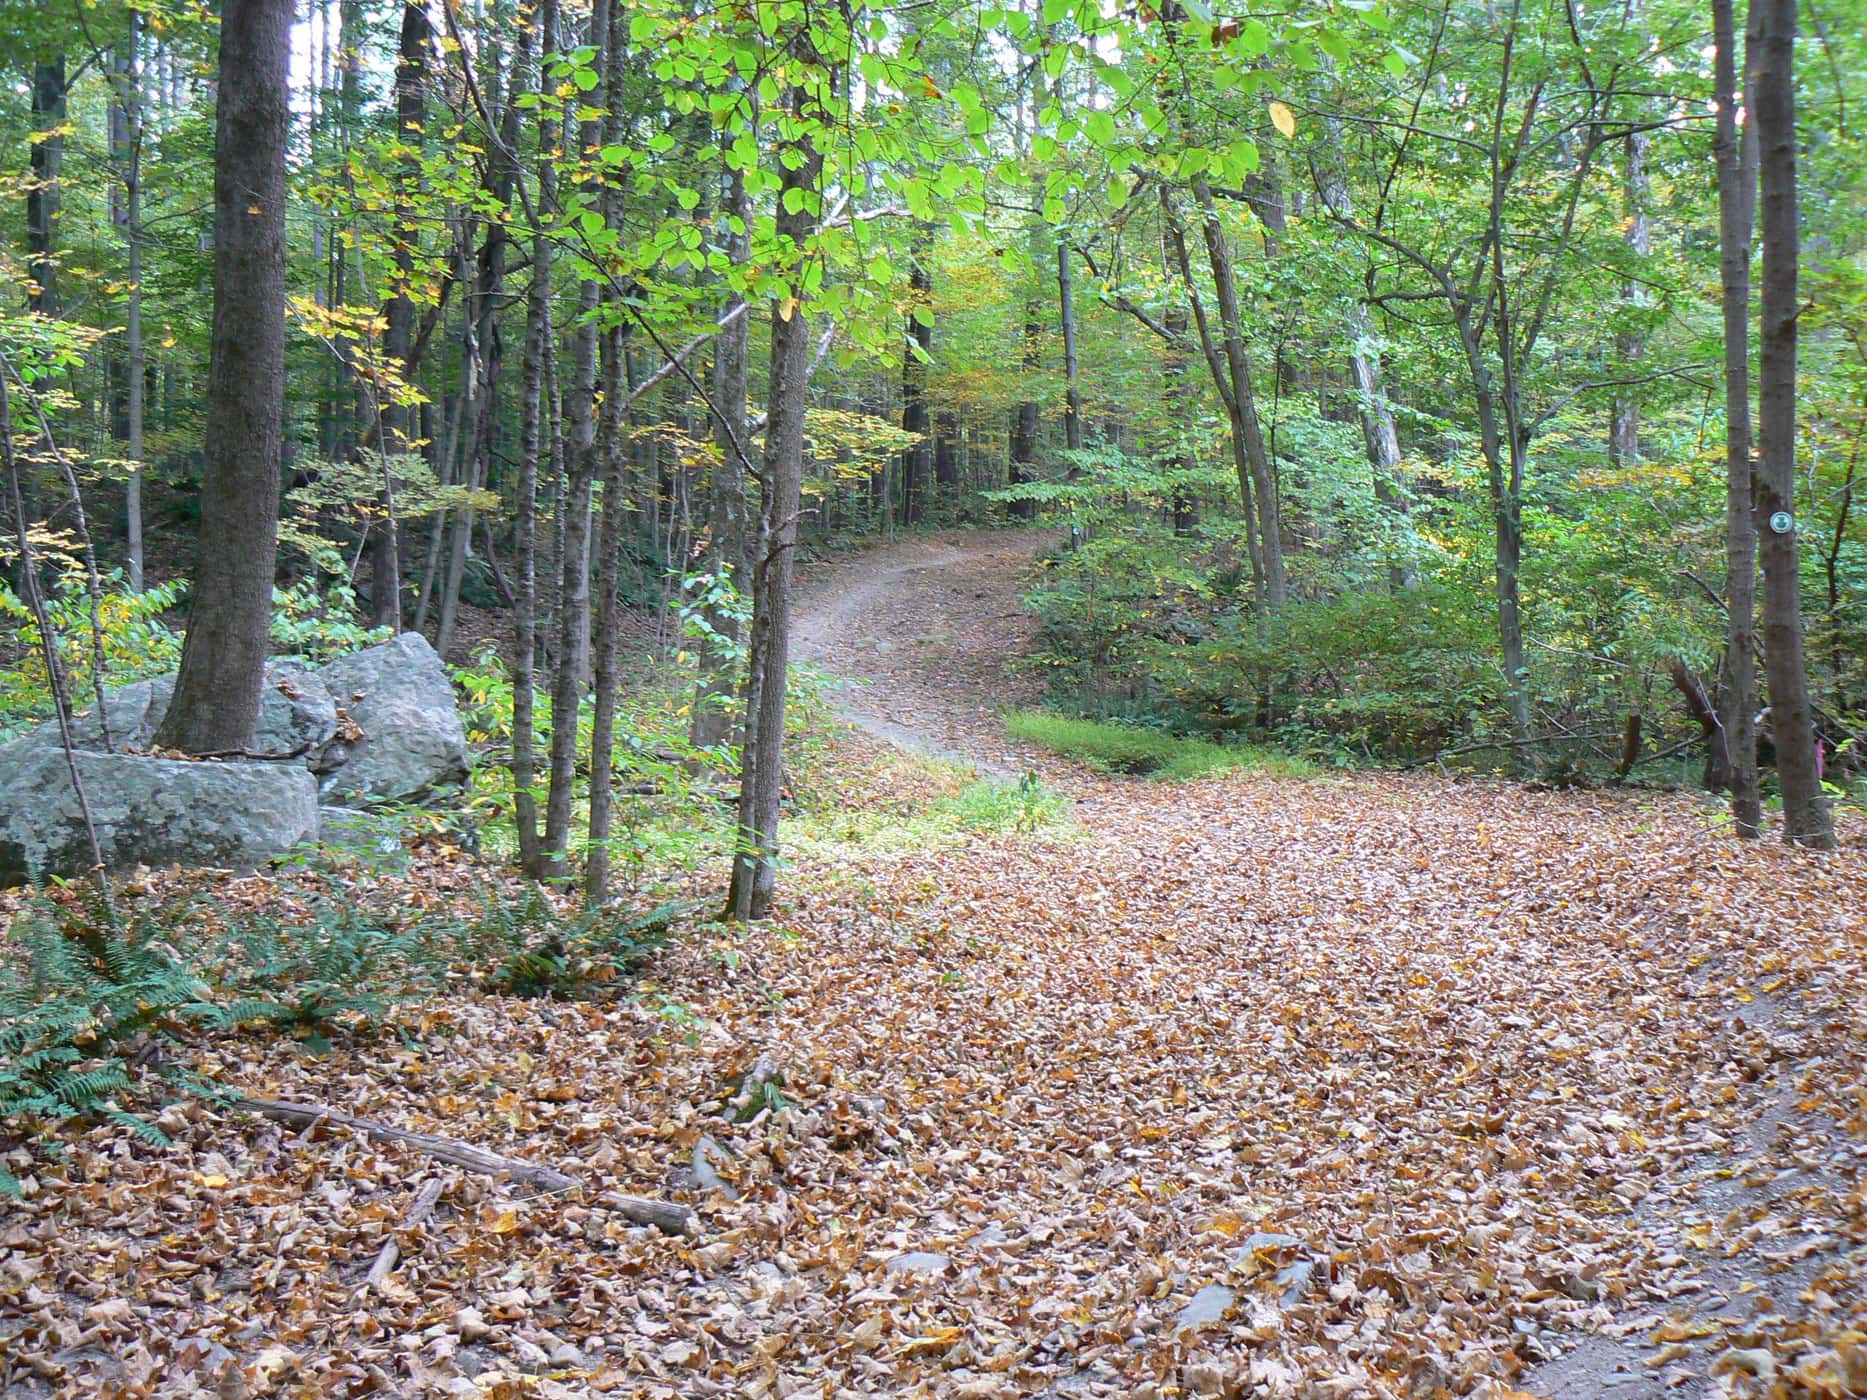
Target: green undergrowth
<point>907,803</point>
<point>1117,748</point>
<point>83,1002</point>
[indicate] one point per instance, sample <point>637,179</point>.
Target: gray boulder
<point>378,725</point>
<point>296,716</point>
<point>148,811</point>
<point>399,731</point>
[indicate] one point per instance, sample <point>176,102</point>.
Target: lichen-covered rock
<point>296,716</point>
<point>146,811</point>
<point>379,725</point>
<point>403,738</point>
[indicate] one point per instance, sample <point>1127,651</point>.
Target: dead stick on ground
<point>418,1214</point>
<point>663,1215</point>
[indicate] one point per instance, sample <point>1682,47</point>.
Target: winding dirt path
<point>1358,1088</point>
<point>1716,1224</point>
<point>927,630</point>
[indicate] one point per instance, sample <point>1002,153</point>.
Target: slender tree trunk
<point>216,702</point>
<point>1241,433</point>
<point>127,151</point>
<point>917,458</point>
<point>1380,439</point>
<point>42,189</point>
<point>1177,408</point>
<point>1026,419</point>
<point>525,514</point>
<point>1244,399</point>
<point>606,631</point>
<point>1806,819</point>
<point>399,433</point>
<point>1630,346</point>
<point>755,870</point>
<point>946,452</point>
<point>1072,390</point>
<point>1734,759</point>
<point>613,450</point>
<point>712,723</point>
<point>581,462</point>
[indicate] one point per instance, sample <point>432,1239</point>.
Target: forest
<point>938,698</point>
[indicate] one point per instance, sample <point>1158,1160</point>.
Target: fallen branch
<point>417,1215</point>
<point>663,1215</point>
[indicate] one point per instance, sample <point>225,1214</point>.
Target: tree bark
<point>755,872</point>
<point>917,458</point>
<point>712,723</point>
<point>1072,387</point>
<point>399,434</point>
<point>525,513</point>
<point>612,447</point>
<point>126,128</point>
<point>1806,819</point>
<point>217,693</point>
<point>1380,439</point>
<point>1737,191</point>
<point>1244,400</point>
<point>42,189</point>
<point>574,527</point>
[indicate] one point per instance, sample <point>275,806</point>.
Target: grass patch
<point>910,803</point>
<point>1117,748</point>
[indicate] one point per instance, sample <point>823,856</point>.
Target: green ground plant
<point>1121,748</point>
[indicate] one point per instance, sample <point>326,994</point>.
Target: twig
<point>84,538</point>
<point>415,1217</point>
<point>663,1215</point>
<point>1533,740</point>
<point>35,601</point>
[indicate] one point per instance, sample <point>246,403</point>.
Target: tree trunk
<point>525,513</point>
<point>1072,388</point>
<point>397,433</point>
<point>606,630</point>
<point>127,150</point>
<point>946,452</point>
<point>1176,407</point>
<point>712,723</point>
<point>755,871</point>
<point>1244,400</point>
<point>1737,192</point>
<point>917,458</point>
<point>1379,437</point>
<point>1806,819</point>
<point>42,192</point>
<point>216,702</point>
<point>1630,346</point>
<point>612,445</point>
<point>574,526</point>
<point>1026,418</point>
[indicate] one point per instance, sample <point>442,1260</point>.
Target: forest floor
<point>1357,1086</point>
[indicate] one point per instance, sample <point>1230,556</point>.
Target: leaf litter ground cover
<point>1367,1086</point>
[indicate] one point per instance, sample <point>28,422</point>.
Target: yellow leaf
<point>1283,119</point>
<point>507,1222</point>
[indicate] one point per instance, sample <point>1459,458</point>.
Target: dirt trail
<point>927,630</point>
<point>1374,1087</point>
<point>932,625</point>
